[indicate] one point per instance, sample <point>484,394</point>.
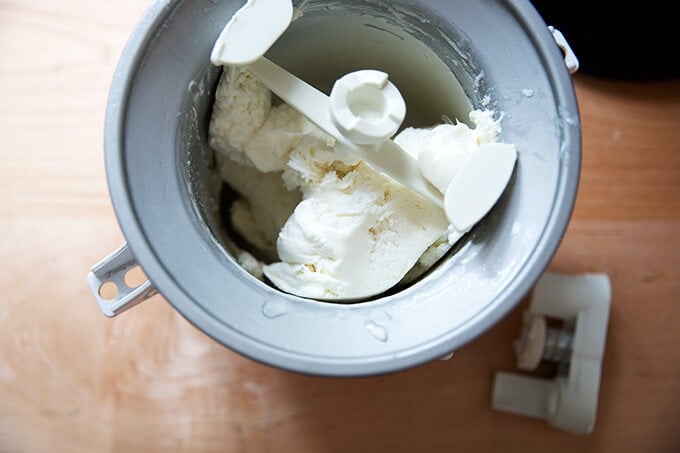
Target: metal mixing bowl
<point>163,186</point>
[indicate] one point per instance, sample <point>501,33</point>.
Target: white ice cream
<point>355,233</point>
<point>342,230</point>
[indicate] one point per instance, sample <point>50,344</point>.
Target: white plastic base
<point>568,403</point>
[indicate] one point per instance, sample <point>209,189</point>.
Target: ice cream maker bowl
<point>447,57</point>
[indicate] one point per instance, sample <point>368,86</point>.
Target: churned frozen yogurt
<point>331,226</point>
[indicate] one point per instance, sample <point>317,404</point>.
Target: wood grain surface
<point>72,380</point>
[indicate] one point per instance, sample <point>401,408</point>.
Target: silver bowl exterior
<point>158,106</point>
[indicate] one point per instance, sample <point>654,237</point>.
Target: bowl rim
<point>546,246</point>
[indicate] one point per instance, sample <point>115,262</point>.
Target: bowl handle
<point>570,59</point>
<point>112,270</point>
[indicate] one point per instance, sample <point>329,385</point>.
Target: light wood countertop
<point>73,380</point>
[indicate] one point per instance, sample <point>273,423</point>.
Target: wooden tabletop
<point>73,380</point>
